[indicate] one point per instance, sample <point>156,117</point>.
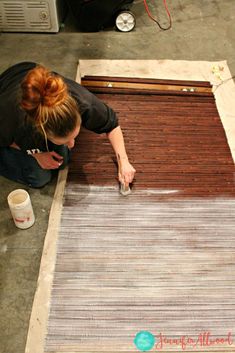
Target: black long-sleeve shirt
<point>14,127</point>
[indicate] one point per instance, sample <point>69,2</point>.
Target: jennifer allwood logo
<point>145,341</point>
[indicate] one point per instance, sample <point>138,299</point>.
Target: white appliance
<point>31,16</point>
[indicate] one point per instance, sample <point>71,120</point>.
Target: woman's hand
<point>48,160</point>
<point>126,171</point>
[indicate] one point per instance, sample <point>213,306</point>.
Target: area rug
<point>153,271</point>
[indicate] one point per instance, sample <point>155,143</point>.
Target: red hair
<point>46,100</point>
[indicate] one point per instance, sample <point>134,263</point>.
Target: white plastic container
<point>21,208</point>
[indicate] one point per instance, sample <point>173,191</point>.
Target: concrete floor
<point>202,30</point>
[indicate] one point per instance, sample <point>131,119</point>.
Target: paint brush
<point>124,188</point>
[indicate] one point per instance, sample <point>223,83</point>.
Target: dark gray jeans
<point>23,168</point>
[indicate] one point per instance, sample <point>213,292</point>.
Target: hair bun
<point>41,88</point>
<point>54,92</point>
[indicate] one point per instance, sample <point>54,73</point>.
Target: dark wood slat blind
<point>174,142</point>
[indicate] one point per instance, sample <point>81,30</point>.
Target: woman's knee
<point>39,178</point>
<point>16,165</point>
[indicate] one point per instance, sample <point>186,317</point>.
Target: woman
<point>40,116</point>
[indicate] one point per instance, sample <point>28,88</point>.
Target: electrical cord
<point>153,19</point>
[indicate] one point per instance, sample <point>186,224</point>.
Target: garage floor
<point>201,31</point>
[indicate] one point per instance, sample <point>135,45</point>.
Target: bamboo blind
<point>162,259</point>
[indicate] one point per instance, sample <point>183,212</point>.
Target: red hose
<point>152,18</point>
